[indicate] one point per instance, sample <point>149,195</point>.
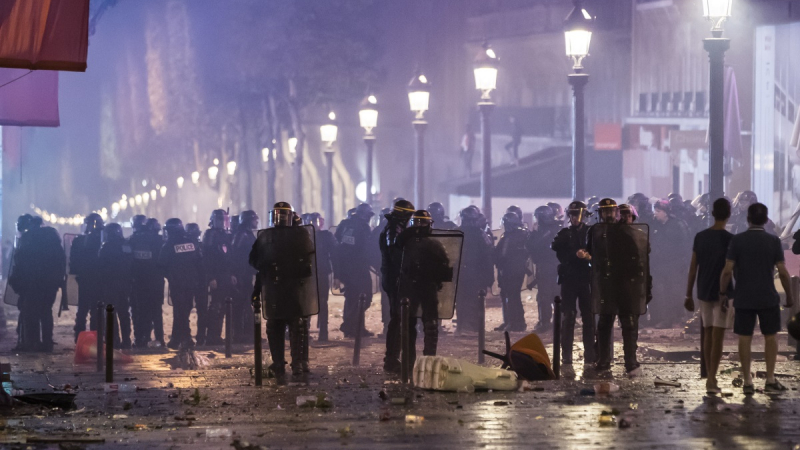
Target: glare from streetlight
<point>231,168</point>
<point>195,177</point>
<point>180,182</point>
<point>212,172</point>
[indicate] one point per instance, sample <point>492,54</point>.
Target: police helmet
<point>628,210</point>
<point>296,220</point>
<point>608,210</point>
<point>174,227</point>
<point>511,221</point>
<point>701,203</point>
<point>193,230</point>
<point>469,216</point>
<point>24,223</point>
<point>93,223</point>
<point>364,211</point>
<point>152,225</point>
<point>516,210</point>
<point>744,200</point>
<point>402,210</point>
<point>421,218</point>
<point>544,214</point>
<point>578,209</point>
<point>437,211</point>
<point>248,220</point>
<point>235,222</point>
<point>281,215</point>
<point>219,219</point>
<point>558,211</point>
<point>663,205</point>
<point>36,222</point>
<point>111,232</point>
<point>351,213</point>
<point>137,222</point>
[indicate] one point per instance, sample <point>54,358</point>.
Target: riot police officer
<point>84,264</point>
<point>39,267</point>
<point>220,279</point>
<point>510,259</point>
<point>643,206</point>
<point>516,210</point>
<point>147,295</point>
<point>354,248</point>
<point>437,212</point>
<point>115,260</point>
<point>391,259</point>
<point>573,276</point>
<point>182,263</point>
<point>620,272</point>
<point>476,272</point>
<point>243,240</point>
<point>425,266</point>
<point>193,232</point>
<point>546,263</point>
<point>671,252</point>
<point>284,257</point>
<point>326,254</point>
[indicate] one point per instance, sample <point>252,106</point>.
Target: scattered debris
<point>605,387</point>
<point>412,419</point>
<point>314,401</point>
<point>399,400</point>
<point>218,432</point>
<point>660,382</point>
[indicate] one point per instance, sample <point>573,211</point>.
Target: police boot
<point>567,335</point>
<point>275,338</point>
<point>296,347</point>
<point>306,341</point>
<point>431,337</point>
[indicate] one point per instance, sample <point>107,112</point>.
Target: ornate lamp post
<point>485,71</point>
<point>577,36</point>
<point>717,11</point>
<point>368,118</point>
<point>328,133</point>
<point>419,95</point>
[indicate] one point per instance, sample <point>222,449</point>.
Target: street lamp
<point>212,173</point>
<point>328,133</point>
<point>231,168</point>
<point>419,95</point>
<point>577,36</point>
<point>180,181</point>
<point>716,11</point>
<point>485,71</point>
<point>368,118</point>
<point>195,177</point>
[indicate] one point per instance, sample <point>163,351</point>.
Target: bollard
<point>404,341</point>
<point>257,340</point>
<point>99,324</point>
<point>110,344</point>
<point>482,324</point>
<point>362,301</point>
<point>228,326</point>
<point>557,337</point>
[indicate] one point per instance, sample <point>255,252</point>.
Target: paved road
<point>181,408</point>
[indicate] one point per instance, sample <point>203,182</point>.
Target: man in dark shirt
<point>752,258</point>
<point>708,256</point>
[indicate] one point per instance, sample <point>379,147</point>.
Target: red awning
<point>44,34</point>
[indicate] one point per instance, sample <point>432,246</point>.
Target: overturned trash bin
<point>450,374</point>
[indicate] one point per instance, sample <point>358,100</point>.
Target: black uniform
<point>425,266</point>
<point>85,265</point>
<point>353,253</point>
<point>510,258</point>
<point>391,259</point>
<point>283,260</point>
<point>147,296</point>
<point>217,268</point>
<point>546,269</point>
<point>326,254</point>
<point>243,242</point>
<point>182,264</point>
<point>573,276</point>
<point>39,269</point>
<point>671,251</point>
<point>116,259</point>
<point>476,274</point>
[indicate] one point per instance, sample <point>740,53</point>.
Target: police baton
<point>557,337</point>
<point>482,324</point>
<point>362,300</point>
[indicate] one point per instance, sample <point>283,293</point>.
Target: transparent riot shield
<point>429,270</point>
<point>288,272</point>
<point>620,268</point>
<point>10,296</point>
<point>72,283</point>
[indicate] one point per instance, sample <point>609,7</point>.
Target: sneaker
<point>748,389</point>
<point>774,387</point>
<point>567,371</point>
<point>635,373</point>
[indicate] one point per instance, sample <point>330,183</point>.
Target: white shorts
<point>712,314</point>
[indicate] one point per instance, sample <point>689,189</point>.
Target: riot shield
<point>287,268</point>
<point>620,268</point>
<point>429,270</point>
<point>10,296</point>
<point>72,282</point>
